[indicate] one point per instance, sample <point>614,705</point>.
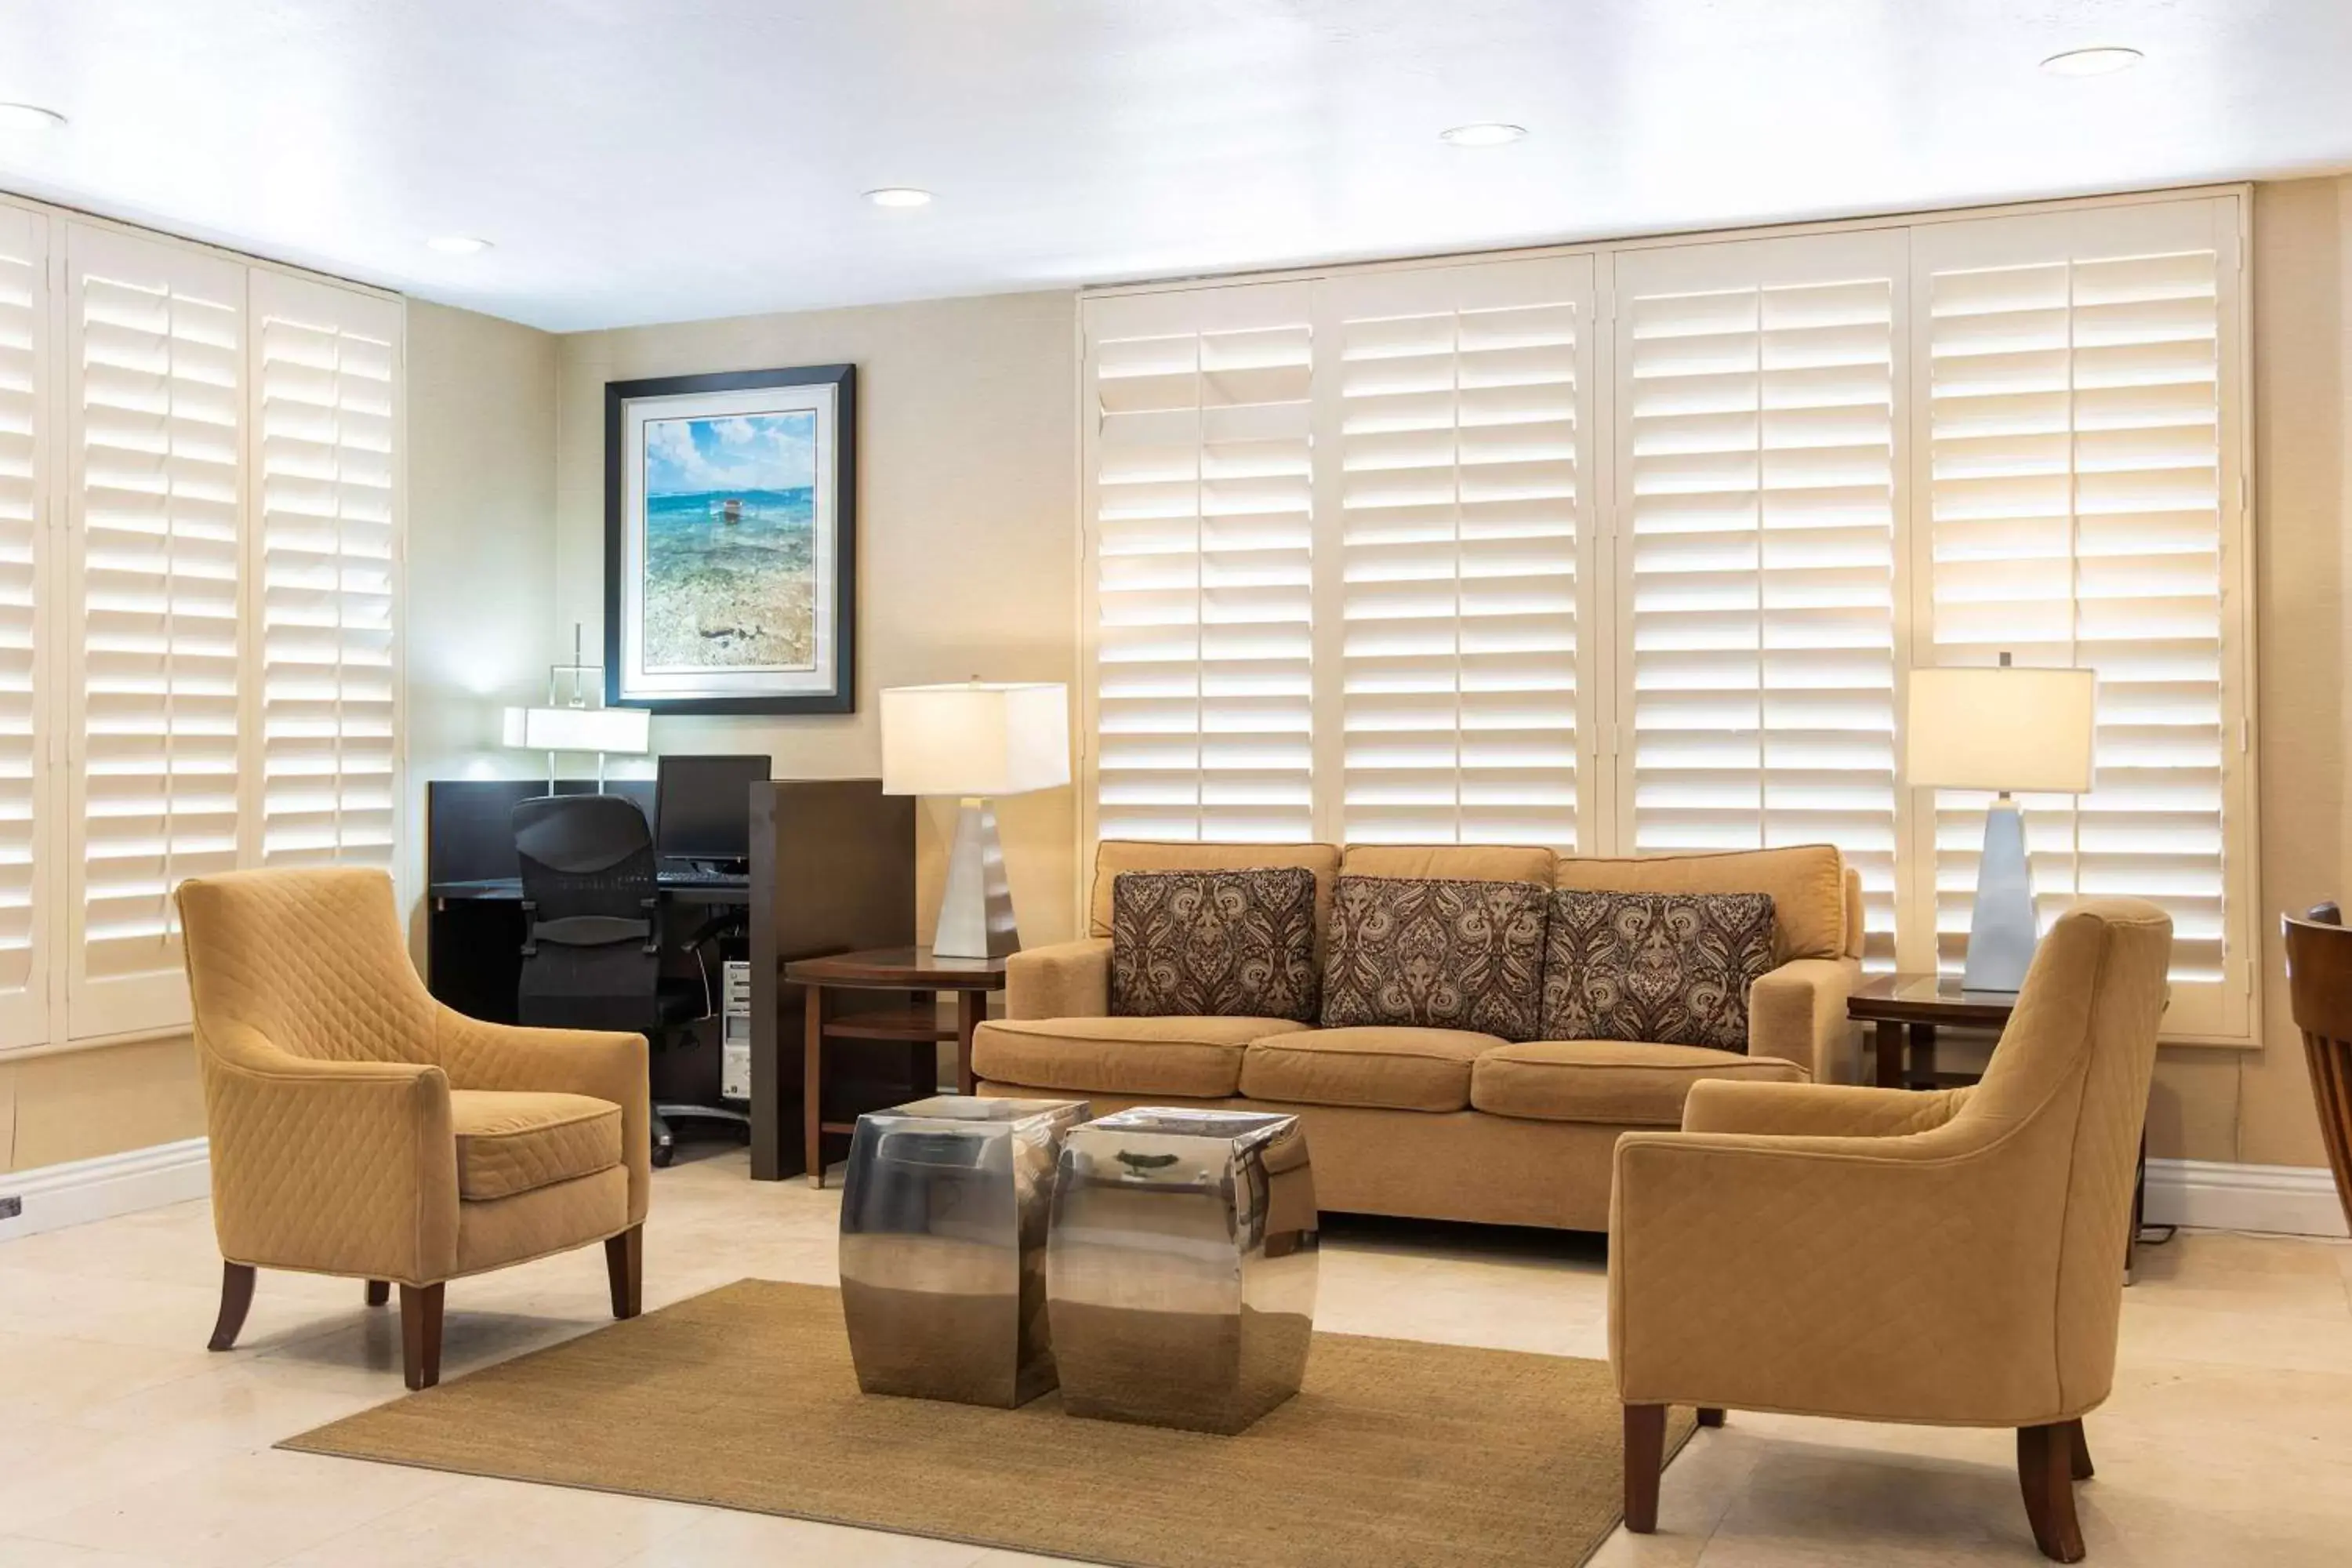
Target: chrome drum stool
<point>1181,1274</point>
<point>944,1219</point>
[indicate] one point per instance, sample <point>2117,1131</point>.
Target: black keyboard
<point>702,877</point>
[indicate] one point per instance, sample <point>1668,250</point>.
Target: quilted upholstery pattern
<point>329,1073</point>
<point>1948,1258</point>
<point>509,1143</point>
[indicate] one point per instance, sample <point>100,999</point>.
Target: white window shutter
<point>24,620</point>
<point>1200,544</point>
<point>2077,372</point>
<point>1758,489</point>
<point>324,564</point>
<point>154,381</point>
<point>1454,398</point>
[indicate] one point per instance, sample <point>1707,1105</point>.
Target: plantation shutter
<point>1454,467</point>
<point>1201,550</point>
<point>25,793</point>
<point>1757,503</point>
<point>2080,398</point>
<point>153,392</point>
<point>325,367</point>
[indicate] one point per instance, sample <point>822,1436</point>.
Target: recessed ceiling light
<point>29,117</point>
<point>899,196</point>
<point>1486,133</point>
<point>457,245</point>
<point>2104,61</point>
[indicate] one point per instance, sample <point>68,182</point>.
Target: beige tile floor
<point>124,1444</point>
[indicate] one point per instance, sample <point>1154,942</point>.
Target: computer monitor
<point>702,806</point>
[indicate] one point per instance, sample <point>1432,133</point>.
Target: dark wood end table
<point>916,971</point>
<point>1897,1006</point>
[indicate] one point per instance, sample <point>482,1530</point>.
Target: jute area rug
<point>1395,1452</point>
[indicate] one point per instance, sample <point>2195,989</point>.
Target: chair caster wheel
<point>661,1156</point>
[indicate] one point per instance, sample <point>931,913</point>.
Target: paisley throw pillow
<point>1671,968</point>
<point>1435,953</point>
<point>1207,944</point>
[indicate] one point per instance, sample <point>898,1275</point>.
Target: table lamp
<point>975,740</point>
<point>2004,729</point>
<point>570,724</point>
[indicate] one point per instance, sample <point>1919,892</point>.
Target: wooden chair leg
<point>1709,1415</point>
<point>420,1334</point>
<point>1646,1457</point>
<point>379,1291</point>
<point>624,1267</point>
<point>2045,1473</point>
<point>2081,1452</point>
<point>236,1300</point>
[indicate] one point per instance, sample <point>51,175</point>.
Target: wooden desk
<point>916,971</point>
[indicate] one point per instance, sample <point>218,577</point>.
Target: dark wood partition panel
<point>833,870</point>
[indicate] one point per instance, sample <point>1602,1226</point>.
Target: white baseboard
<point>2291,1200</point>
<point>83,1190</point>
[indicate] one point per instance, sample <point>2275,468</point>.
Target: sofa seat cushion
<point>1193,1058</point>
<point>1615,1083</point>
<point>1393,1067</point>
<point>511,1143</point>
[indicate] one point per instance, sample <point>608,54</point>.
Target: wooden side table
<point>1912,1007</point>
<point>916,971</point>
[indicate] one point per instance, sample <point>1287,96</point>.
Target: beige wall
<point>967,531</point>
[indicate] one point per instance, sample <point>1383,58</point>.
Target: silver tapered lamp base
<point>976,907</point>
<point>2000,928</point>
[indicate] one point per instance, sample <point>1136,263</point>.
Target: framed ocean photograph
<point>730,534</point>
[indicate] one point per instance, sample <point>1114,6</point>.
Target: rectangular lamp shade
<point>2006,729</point>
<point>975,739</point>
<point>625,731</point>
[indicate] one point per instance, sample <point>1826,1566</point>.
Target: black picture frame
<point>841,695</point>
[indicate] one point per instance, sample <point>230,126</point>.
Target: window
<point>1629,548</point>
<point>198,565</point>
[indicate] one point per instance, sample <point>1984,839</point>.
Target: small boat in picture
<point>730,511</point>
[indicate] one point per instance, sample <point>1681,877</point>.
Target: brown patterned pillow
<point>1202,944</point>
<point>1671,968</point>
<point>1435,953</point>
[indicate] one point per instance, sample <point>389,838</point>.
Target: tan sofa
<point>1437,1123</point>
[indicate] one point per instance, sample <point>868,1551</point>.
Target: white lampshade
<point>624,731</point>
<point>2004,729</point>
<point>976,738</point>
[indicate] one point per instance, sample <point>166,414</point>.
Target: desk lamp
<point>975,740</point>
<point>2003,730</point>
<point>567,723</point>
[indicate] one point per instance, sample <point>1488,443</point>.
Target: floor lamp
<point>2003,730</point>
<point>975,740</point>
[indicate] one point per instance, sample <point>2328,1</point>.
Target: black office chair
<point>593,943</point>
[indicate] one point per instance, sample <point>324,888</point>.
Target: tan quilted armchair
<point>1880,1255</point>
<point>360,1127</point>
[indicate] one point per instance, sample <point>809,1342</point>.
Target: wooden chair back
<point>2319,991</point>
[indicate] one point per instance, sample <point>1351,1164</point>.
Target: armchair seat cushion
<point>1192,1059</point>
<point>1391,1068</point>
<point>517,1142</point>
<point>1614,1082</point>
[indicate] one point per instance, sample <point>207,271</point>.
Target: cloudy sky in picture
<point>741,452</point>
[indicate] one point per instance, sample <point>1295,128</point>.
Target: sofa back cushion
<point>1113,856</point>
<point>1203,944</point>
<point>1806,882</point>
<point>1437,953</point>
<point>1462,862</point>
<point>1669,969</point>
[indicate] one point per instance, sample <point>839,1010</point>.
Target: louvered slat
<point>1759,451</point>
<point>24,792</point>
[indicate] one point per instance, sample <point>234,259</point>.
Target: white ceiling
<point>659,159</point>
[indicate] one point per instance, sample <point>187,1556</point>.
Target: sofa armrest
<point>339,1167</point>
<point>1797,1011</point>
<point>1066,980</point>
<point>602,1064</point>
<point>1834,1111</point>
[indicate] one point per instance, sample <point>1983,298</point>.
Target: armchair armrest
<point>1066,980</point>
<point>603,1064</point>
<point>339,1167</point>
<point>1836,1110</point>
<point>1797,1011</point>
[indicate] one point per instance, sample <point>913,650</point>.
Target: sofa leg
<point>236,1300</point>
<point>2045,1473</point>
<point>624,1267</point>
<point>379,1291</point>
<point>2082,1452</point>
<point>1710,1415</point>
<point>1646,1457</point>
<point>420,1334</point>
